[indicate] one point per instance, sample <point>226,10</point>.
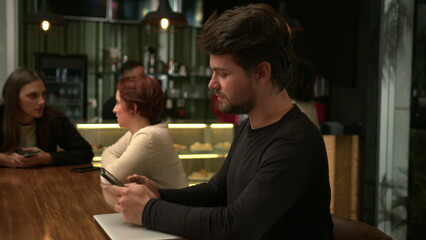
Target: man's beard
<point>233,108</point>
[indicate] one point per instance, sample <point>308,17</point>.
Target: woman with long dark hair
<point>28,124</point>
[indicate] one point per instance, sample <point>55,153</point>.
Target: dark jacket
<point>55,134</point>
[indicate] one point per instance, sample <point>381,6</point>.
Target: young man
<point>274,183</point>
<point>129,69</point>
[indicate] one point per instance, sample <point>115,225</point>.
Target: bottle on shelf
<point>151,60</point>
<point>181,103</point>
<point>64,74</point>
<point>180,108</point>
<point>169,108</point>
<point>171,67</point>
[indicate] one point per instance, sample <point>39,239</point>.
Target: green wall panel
<point>96,39</point>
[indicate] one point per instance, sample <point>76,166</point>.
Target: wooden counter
<point>50,203</point>
<point>343,163</point>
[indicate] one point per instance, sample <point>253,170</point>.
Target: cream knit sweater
<point>148,152</point>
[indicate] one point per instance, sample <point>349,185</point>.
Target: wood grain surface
<point>50,203</point>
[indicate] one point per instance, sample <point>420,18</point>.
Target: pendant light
<point>294,24</point>
<point>164,16</point>
<point>44,18</point>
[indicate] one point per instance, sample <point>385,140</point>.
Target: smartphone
<point>85,169</point>
<point>110,178</point>
<point>27,153</point>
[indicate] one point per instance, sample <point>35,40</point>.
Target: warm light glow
<point>201,156</point>
<point>164,22</point>
<point>45,25</point>
<point>96,164</point>
<point>98,125</point>
<point>96,160</point>
<point>187,125</point>
<point>171,125</point>
<point>222,125</point>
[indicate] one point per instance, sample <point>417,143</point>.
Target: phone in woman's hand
<point>27,153</point>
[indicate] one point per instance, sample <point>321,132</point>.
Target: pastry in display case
<point>201,147</point>
<point>201,175</point>
<point>222,146</point>
<point>179,147</point>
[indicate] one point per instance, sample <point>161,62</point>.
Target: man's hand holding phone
<point>110,178</point>
<point>131,199</point>
<point>133,179</point>
<point>145,181</point>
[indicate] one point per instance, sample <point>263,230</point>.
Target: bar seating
<point>349,229</point>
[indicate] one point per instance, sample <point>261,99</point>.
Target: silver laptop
<point>116,229</point>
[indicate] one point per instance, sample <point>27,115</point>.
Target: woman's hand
<point>10,159</point>
<point>40,158</point>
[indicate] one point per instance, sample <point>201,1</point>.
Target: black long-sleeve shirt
<point>274,184</point>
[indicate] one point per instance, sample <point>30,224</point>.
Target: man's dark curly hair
<point>251,34</point>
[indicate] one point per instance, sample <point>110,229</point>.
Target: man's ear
<point>263,72</point>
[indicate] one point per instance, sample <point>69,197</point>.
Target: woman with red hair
<point>147,148</point>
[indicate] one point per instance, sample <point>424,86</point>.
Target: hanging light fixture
<point>44,18</point>
<point>164,16</point>
<point>294,24</point>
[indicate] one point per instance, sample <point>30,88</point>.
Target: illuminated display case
<point>201,147</point>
